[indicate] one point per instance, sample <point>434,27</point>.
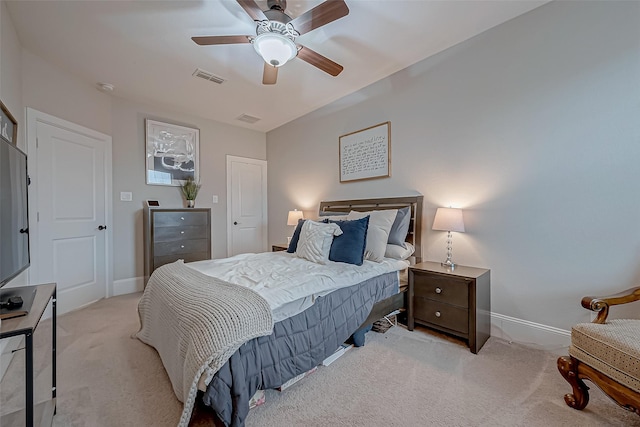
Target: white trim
<point>263,164</point>
<point>530,333</point>
<point>33,118</point>
<point>128,286</point>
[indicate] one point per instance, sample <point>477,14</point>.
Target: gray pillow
<point>400,227</point>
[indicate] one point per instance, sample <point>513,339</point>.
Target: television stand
<point>40,413</point>
<point>25,293</point>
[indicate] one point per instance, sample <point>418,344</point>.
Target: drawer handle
<point>438,314</point>
<point>182,232</point>
<point>182,218</point>
<point>438,291</point>
<point>182,246</point>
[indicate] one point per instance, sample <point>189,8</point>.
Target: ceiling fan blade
<point>253,10</point>
<point>320,15</point>
<point>319,61</point>
<point>210,40</point>
<point>269,75</point>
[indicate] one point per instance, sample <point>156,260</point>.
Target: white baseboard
<point>530,333</point>
<point>127,286</point>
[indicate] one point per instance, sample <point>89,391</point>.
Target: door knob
<point>235,222</point>
<point>102,227</point>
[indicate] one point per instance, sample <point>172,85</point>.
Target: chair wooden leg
<point>568,367</point>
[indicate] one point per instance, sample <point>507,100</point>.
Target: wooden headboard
<point>414,235</point>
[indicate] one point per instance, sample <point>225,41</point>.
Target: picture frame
<point>366,153</point>
<point>8,125</point>
<point>172,153</point>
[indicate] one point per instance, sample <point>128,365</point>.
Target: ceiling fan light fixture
<point>276,49</point>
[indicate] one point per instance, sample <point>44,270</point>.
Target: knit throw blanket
<point>196,322</point>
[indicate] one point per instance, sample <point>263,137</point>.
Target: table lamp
<point>448,219</point>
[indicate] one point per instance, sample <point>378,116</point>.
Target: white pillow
<point>315,241</point>
<point>380,223</point>
<point>398,252</point>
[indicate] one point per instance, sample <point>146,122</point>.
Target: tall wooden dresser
<point>173,234</point>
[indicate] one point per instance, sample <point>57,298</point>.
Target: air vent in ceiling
<point>247,118</point>
<point>208,76</point>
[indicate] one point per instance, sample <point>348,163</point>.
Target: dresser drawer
<point>187,232</point>
<point>172,219</point>
<point>441,314</point>
<point>180,247</point>
<point>159,261</point>
<point>451,290</point>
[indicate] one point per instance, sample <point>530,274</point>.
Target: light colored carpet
<point>401,378</point>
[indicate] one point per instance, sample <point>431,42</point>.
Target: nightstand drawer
<point>451,290</point>
<point>441,314</point>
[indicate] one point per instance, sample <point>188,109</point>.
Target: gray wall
<point>532,127</point>
<point>216,141</point>
<point>51,90</point>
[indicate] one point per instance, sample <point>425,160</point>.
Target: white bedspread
<point>288,283</point>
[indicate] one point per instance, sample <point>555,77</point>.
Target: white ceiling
<point>144,49</point>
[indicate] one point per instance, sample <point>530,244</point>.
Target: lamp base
<point>448,264</point>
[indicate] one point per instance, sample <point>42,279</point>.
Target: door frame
<point>33,118</point>
<point>265,231</point>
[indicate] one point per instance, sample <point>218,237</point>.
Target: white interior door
<point>72,204</point>
<point>246,205</point>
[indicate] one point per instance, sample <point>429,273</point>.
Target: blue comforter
<point>296,345</point>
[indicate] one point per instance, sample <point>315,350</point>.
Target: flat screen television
<point>14,212</point>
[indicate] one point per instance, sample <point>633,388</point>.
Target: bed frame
<point>414,236</point>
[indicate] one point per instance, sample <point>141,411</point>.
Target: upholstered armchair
<point>605,352</point>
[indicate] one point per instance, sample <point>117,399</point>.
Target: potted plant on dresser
<point>190,190</point>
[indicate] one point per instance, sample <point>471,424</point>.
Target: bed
<point>187,310</point>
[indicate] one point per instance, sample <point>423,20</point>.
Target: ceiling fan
<point>276,33</point>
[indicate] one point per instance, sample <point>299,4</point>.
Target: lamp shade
<point>294,216</point>
<point>448,219</point>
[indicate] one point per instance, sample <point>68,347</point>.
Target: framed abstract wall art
<point>8,125</point>
<point>172,153</point>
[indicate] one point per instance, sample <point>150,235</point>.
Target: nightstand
<point>279,247</point>
<point>457,301</point>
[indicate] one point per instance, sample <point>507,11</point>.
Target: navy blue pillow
<point>349,246</point>
<point>293,244</point>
